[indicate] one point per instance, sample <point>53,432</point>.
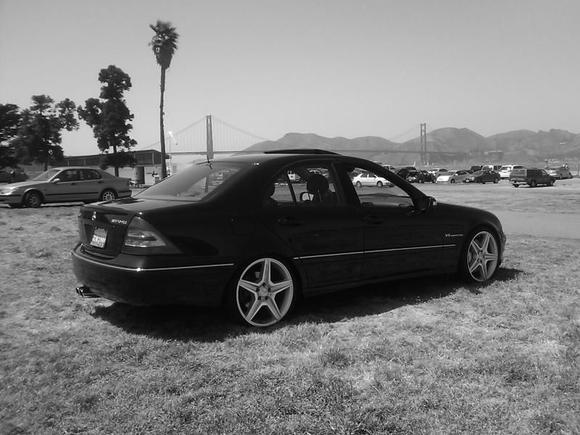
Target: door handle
<point>289,221</point>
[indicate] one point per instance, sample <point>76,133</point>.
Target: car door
<point>324,233</point>
<point>63,187</point>
<point>90,185</point>
<point>398,240</point>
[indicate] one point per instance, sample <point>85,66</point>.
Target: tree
<point>40,132</point>
<point>109,118</point>
<point>9,124</point>
<point>164,44</point>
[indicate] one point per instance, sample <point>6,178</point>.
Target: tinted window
<point>90,174</point>
<point>197,182</point>
<point>387,195</point>
<point>303,185</point>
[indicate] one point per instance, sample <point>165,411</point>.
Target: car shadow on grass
<point>188,323</point>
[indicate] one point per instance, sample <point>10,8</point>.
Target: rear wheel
<point>480,257</point>
<point>108,195</point>
<point>32,199</point>
<point>379,184</point>
<point>358,184</point>
<point>263,293</point>
<point>452,181</point>
<point>533,183</point>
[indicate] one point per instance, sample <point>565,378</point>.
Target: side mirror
<point>55,181</point>
<point>424,203</point>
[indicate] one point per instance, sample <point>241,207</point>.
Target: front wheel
<point>108,195</point>
<point>480,257</point>
<point>32,200</point>
<point>358,184</point>
<point>379,184</point>
<point>452,181</point>
<point>263,293</point>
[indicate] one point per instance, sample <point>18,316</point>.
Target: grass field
<point>420,356</point>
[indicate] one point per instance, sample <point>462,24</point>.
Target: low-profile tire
<point>32,199</point>
<point>108,195</point>
<point>480,256</point>
<point>263,293</point>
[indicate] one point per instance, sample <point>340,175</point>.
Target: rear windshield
<point>197,182</point>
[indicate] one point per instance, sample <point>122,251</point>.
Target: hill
<point>450,146</point>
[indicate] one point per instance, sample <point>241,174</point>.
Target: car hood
<point>24,184</point>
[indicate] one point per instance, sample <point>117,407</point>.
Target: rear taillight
<point>142,238</point>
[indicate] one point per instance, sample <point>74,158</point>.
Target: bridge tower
<point>209,137</point>
<point>424,156</point>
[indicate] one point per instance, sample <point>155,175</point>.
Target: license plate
<point>99,238</point>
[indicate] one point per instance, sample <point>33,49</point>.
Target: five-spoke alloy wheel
<point>481,257</point>
<point>264,292</point>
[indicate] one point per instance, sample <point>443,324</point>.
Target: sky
<point>347,68</point>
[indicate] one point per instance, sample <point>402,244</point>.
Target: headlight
<point>6,190</point>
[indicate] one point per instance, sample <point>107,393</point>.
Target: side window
<point>69,175</point>
<point>90,174</point>
<point>377,191</point>
<point>303,185</point>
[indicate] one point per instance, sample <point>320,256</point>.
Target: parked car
<point>67,184</point>
<point>421,176</point>
<point>368,179</point>
<point>406,171</point>
<point>532,177</point>
<point>506,170</point>
<point>255,243</point>
<point>459,176</point>
<point>483,176</point>
<point>12,175</point>
<point>445,177</point>
<point>559,172</point>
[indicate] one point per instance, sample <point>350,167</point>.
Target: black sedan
<point>483,176</point>
<point>254,233</point>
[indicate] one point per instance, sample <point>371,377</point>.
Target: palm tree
<point>164,44</point>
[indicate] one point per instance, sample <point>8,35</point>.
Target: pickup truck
<point>531,176</point>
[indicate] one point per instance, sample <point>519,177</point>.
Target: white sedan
<point>368,179</point>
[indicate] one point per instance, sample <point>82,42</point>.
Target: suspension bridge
<point>210,135</point>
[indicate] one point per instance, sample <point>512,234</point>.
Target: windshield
<point>196,182</point>
<point>45,176</point>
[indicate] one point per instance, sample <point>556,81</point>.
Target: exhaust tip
<point>85,292</point>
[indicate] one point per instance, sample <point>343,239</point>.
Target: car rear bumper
<point>123,281</point>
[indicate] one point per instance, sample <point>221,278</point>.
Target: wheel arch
<point>244,262</point>
<point>480,226</point>
<point>33,190</point>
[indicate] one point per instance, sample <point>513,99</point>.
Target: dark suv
<point>531,176</point>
